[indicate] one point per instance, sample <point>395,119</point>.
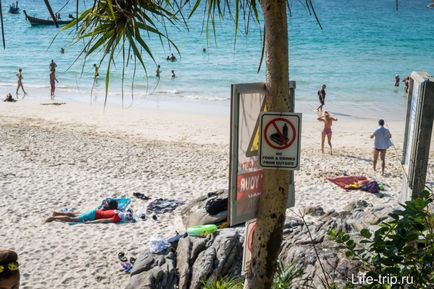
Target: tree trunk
<point>272,205</point>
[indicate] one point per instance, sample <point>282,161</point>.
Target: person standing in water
<point>327,130</point>
<point>397,80</point>
<point>20,82</point>
<point>406,83</point>
<point>53,65</point>
<point>173,74</point>
<point>96,73</point>
<point>321,96</point>
<point>53,79</point>
<point>157,73</point>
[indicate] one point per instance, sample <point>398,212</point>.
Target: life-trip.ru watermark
<point>363,279</point>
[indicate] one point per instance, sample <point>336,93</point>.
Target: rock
<point>186,253</point>
<point>194,213</point>
<point>314,211</point>
<point>359,204</point>
<point>154,271</point>
<point>223,257</point>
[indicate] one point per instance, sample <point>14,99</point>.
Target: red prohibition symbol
<point>279,140</point>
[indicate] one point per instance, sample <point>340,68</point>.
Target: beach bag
<point>371,187</point>
<point>216,205</point>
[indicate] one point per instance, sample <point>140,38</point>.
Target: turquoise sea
<point>361,47</point>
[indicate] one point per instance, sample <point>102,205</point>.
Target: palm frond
<point>119,25</point>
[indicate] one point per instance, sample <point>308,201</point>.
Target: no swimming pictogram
<point>280,140</point>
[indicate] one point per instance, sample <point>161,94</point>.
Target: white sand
<point>74,155</point>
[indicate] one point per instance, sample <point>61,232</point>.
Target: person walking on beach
<point>157,73</point>
<point>327,130</point>
<point>9,269</point>
<point>96,73</point>
<point>321,96</point>
<point>53,65</point>
<point>381,144</point>
<point>20,82</point>
<point>53,79</point>
<point>397,80</point>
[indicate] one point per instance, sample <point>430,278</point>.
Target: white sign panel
<point>279,146</point>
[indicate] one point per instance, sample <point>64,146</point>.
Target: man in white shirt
<point>381,144</point>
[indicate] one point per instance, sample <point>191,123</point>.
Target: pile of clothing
<point>358,183</point>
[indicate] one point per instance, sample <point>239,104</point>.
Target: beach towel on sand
<point>161,206</point>
<point>345,181</point>
<point>123,203</point>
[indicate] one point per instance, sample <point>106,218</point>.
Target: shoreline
<point>217,106</point>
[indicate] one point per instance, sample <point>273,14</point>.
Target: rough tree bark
<point>272,206</point>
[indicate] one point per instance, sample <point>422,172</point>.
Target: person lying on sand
<point>93,217</point>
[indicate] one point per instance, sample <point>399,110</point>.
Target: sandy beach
<point>74,155</point>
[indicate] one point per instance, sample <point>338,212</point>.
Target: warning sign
<point>279,145</point>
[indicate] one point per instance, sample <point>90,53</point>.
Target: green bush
<point>224,283</point>
<point>285,278</point>
<point>402,248</point>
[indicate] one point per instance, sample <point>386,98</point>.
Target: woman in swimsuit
<point>52,82</point>
<point>327,130</point>
<point>20,82</point>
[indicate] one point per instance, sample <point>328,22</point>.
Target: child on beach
<point>327,130</point>
<point>9,270</point>
<point>52,82</point>
<point>20,82</point>
<point>381,144</point>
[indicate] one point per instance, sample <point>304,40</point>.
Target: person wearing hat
<point>9,272</point>
<point>321,96</point>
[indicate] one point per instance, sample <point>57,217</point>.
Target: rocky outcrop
<point>221,258</point>
<point>197,260</point>
<point>300,240</point>
<point>194,213</point>
<point>154,271</point>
